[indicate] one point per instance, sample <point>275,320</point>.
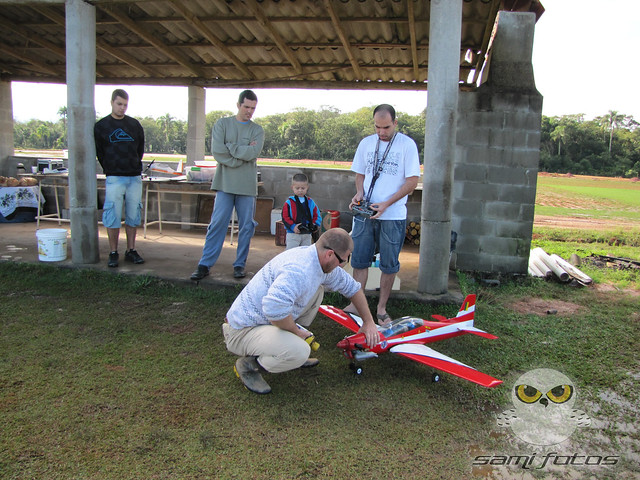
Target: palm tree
<point>614,120</point>
<point>165,123</point>
<point>63,113</point>
<point>558,135</point>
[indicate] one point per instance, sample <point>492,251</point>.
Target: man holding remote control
<point>387,168</point>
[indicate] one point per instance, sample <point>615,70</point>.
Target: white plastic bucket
<point>52,244</point>
<point>276,214</point>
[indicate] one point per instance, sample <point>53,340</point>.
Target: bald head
<point>336,239</point>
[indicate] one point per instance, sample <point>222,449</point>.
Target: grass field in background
<point>589,197</point>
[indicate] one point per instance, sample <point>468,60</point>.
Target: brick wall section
<point>330,188</point>
<point>495,179</point>
<point>497,155</point>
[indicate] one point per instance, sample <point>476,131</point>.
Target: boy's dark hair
<point>247,95</point>
<point>300,177</point>
<point>118,92</point>
<point>386,108</point>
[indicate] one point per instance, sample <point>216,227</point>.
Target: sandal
<point>355,312</point>
<point>383,319</point>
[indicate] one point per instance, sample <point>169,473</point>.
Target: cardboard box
<point>373,279</point>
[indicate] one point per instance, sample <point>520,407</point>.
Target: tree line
<point>608,145</point>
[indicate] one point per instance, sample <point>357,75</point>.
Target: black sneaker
<point>200,273</point>
<point>133,257</point>
<point>113,259</point>
<point>238,272</point>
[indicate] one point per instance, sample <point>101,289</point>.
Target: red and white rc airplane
<point>407,336</point>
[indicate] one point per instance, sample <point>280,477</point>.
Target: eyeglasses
<point>338,256</point>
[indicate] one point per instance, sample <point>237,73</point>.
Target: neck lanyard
<point>378,164</point>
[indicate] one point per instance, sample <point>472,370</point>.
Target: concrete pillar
<point>6,128</point>
<point>440,140</point>
<point>81,75</point>
<point>196,124</point>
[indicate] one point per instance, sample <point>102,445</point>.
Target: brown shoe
<point>248,370</point>
<point>310,362</point>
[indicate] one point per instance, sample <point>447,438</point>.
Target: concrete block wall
<point>495,177</point>
<point>176,207</point>
<point>497,155</point>
<point>330,188</point>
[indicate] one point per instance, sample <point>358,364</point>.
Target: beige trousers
<point>277,350</point>
<point>297,240</point>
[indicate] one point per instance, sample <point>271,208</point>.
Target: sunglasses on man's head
<point>338,256</point>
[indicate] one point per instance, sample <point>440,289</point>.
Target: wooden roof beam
<point>101,44</point>
<point>485,40</point>
<point>33,38</point>
<point>125,57</point>
<point>414,41</point>
<point>343,38</point>
<point>196,23</point>
<point>29,58</point>
<point>58,19</point>
<point>152,39</point>
<point>273,33</point>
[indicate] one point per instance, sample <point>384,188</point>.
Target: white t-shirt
<point>401,162</point>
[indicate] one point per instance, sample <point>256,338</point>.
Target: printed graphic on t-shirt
<point>120,135</point>
<point>391,164</point>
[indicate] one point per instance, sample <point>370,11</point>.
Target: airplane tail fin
<point>466,312</point>
<point>468,306</point>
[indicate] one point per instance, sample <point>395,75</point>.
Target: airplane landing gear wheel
<point>356,369</point>
<point>435,378</point>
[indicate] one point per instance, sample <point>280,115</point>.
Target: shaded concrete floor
<point>174,254</point>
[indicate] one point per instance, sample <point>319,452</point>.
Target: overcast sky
<point>584,62</point>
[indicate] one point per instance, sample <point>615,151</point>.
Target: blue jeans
<point>387,235</point>
<point>121,191</point>
<point>217,231</point>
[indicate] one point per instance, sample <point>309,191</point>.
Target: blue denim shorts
<point>386,235</point>
<point>122,191</point>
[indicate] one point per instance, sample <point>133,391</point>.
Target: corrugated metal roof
<point>244,43</point>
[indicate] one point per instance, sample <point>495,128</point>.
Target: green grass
<point>113,377</point>
<point>595,198</point>
<point>591,197</point>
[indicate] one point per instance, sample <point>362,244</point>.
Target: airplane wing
<point>350,320</point>
<point>428,356</point>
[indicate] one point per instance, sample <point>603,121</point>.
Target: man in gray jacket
<point>236,143</point>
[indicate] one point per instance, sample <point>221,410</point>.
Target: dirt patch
<point>540,306</point>
<point>606,288</point>
<point>582,223</point>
